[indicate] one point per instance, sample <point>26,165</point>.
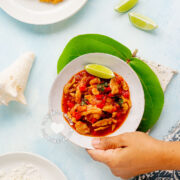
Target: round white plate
<point>116,65</point>
<point>35,12</point>
<point>47,170</point>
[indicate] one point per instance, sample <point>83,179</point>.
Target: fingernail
<point>96,142</point>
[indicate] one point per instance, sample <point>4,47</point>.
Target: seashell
<point>13,79</point>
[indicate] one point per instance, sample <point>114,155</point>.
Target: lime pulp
<point>142,22</point>
<point>125,5</point>
<point>99,71</point>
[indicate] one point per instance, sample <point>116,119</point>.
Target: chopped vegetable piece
<point>100,87</point>
<point>84,102</point>
<point>105,84</point>
<point>120,101</point>
<point>107,89</point>
<point>126,94</point>
<point>100,105</point>
<point>77,116</point>
<point>99,97</point>
<point>110,95</point>
<point>70,104</point>
<point>82,88</point>
<point>93,120</point>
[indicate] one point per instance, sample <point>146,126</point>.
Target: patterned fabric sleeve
<point>174,135</point>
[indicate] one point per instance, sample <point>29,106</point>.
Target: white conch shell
<point>13,80</point>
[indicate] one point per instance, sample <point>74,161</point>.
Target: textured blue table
<point>20,125</point>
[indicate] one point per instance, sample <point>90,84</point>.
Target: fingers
<point>110,142</point>
<point>101,155</point>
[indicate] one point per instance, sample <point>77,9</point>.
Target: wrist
<point>169,156</point>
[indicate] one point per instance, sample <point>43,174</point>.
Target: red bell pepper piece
<point>92,77</point>
<point>93,120</point>
<point>107,89</point>
<point>120,91</point>
<point>70,104</point>
<point>100,105</point>
<point>104,99</point>
<point>119,79</point>
<point>118,115</point>
<point>77,116</point>
<point>99,97</point>
<point>82,88</point>
<point>126,94</point>
<point>114,108</point>
<point>110,95</point>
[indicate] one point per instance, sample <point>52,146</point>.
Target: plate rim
<point>13,13</point>
<point>30,154</point>
<point>55,80</point>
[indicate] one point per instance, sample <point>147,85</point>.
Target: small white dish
<point>47,169</point>
<point>36,12</point>
<point>116,65</point>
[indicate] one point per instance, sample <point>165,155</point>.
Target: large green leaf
<point>154,96</point>
<point>91,43</point>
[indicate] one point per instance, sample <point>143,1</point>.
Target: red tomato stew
<point>95,106</point>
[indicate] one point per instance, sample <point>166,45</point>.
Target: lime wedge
<point>99,71</point>
<point>125,5</point>
<point>142,22</point>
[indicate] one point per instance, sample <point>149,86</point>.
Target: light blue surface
<point>20,125</point>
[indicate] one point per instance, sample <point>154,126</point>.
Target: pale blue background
<point>20,125</point>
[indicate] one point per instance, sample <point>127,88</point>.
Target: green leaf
<point>120,102</point>
<point>105,84</point>
<point>154,96</point>
<point>84,102</point>
<point>100,87</point>
<point>91,43</point>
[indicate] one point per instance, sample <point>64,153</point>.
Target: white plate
<point>48,170</point>
<point>35,12</point>
<point>117,65</point>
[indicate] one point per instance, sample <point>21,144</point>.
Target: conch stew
<point>51,1</point>
<point>96,107</point>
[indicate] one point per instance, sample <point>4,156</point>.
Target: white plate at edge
<point>38,13</point>
<point>47,169</point>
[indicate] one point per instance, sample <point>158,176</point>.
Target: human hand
<point>129,154</point>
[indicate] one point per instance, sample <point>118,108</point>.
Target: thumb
<point>101,155</point>
<point>109,142</point>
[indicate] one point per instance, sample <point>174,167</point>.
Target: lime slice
<point>99,71</point>
<point>125,5</point>
<point>142,22</point>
